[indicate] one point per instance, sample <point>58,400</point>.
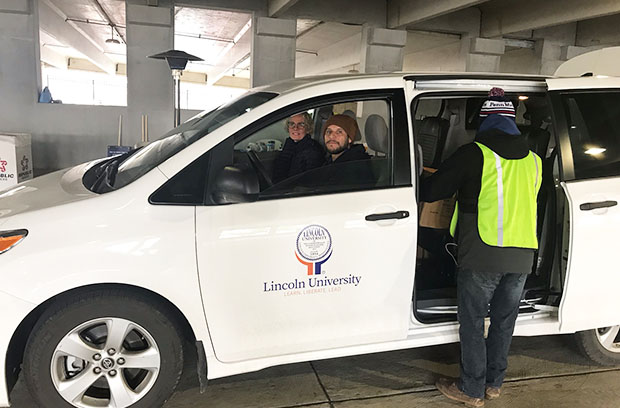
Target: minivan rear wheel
<point>601,345</point>
<point>109,349</point>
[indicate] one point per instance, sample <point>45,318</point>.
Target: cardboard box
<point>15,159</point>
<point>438,214</point>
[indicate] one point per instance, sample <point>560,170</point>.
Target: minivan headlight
<point>8,239</point>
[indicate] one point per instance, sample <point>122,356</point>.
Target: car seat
<point>377,136</point>
<point>378,140</point>
<point>538,141</point>
<point>431,136</point>
<point>351,114</point>
<point>322,114</point>
<point>431,133</point>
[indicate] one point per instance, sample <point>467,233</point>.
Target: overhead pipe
<point>108,19</point>
<point>181,34</point>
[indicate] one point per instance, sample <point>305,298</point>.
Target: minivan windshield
<point>118,171</point>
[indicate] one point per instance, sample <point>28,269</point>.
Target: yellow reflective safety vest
<point>507,200</point>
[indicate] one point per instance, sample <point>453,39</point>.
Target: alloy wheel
<point>608,338</point>
<point>105,362</point>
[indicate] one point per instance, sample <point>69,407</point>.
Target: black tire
<point>591,347</point>
<point>65,315</point>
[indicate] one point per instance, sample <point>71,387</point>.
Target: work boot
<point>492,393</point>
<point>449,388</point>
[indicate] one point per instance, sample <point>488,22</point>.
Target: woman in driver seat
<point>300,152</point>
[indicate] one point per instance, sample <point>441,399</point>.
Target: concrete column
<point>552,46</point>
<point>550,56</point>
<point>571,51</point>
<point>150,30</point>
<point>20,69</point>
<point>273,50</point>
<point>382,50</point>
<point>482,54</point>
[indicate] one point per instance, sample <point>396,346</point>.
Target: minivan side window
<point>187,187</point>
<point>593,122</point>
<point>241,167</point>
<point>371,168</point>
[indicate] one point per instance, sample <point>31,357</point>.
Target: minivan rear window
<point>594,131</point>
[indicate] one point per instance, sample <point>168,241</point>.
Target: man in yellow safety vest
<point>496,179</point>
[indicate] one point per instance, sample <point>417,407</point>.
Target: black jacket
<point>461,173</point>
<point>343,172</point>
<point>297,157</point>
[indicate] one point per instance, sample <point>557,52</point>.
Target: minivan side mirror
<point>235,184</point>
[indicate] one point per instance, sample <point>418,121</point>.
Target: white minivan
<point>113,267</point>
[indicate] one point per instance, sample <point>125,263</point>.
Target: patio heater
<point>177,60</point>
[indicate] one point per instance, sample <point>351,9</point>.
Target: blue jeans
<point>484,363</point>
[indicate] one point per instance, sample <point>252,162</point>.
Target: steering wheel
<point>258,166</point>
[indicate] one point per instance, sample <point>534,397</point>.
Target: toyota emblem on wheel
<point>107,363</point>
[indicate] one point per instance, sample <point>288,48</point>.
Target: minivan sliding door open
<point>442,124</point>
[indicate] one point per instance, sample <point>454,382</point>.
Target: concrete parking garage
<point>286,37</point>
<point>252,43</point>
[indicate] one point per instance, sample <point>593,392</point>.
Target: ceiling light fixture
<point>112,40</point>
<point>595,151</point>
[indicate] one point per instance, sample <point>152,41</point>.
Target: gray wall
<point>65,135</point>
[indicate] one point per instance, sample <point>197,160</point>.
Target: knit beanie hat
<point>497,105</point>
<point>498,113</point>
<point>345,122</point>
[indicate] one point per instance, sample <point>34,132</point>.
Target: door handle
<point>598,204</point>
<point>387,216</point>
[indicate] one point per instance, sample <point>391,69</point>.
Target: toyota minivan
<point>112,267</point>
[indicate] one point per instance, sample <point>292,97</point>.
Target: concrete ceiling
<point>325,35</point>
<point>206,33</point>
<point>211,29</point>
<point>95,19</point>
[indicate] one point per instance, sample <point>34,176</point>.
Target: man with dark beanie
<point>300,152</point>
<point>339,134</point>
<point>496,180</point>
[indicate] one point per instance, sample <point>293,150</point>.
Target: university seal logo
<point>314,247</point>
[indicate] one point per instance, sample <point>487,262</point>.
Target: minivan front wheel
<point>601,345</point>
<point>104,349</point>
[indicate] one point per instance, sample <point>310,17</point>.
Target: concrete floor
<point>543,372</point>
